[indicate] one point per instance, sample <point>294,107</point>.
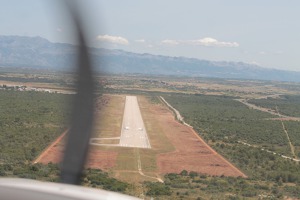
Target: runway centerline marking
<point>133,131</point>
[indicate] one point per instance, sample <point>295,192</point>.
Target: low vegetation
<point>190,185</point>
<point>30,121</point>
<point>287,104</point>
<point>92,177</point>
<point>99,179</point>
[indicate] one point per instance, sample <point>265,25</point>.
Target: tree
<point>184,173</point>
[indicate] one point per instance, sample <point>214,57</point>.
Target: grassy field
<point>110,111</point>
<point>109,115</point>
<point>158,140</point>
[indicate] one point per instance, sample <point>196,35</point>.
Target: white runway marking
<point>133,132</point>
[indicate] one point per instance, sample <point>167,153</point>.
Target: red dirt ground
<point>192,153</point>
<point>98,159</point>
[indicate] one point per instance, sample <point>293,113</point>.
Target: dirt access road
<point>273,112</point>
<point>281,117</point>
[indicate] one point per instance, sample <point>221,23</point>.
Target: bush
<point>157,189</point>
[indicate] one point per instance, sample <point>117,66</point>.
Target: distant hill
<point>37,52</point>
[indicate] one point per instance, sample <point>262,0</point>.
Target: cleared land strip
<point>50,147</point>
<point>273,112</point>
<point>288,137</point>
<point>272,152</point>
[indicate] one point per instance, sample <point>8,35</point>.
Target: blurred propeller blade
<point>77,146</point>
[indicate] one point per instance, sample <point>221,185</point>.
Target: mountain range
<point>37,52</point>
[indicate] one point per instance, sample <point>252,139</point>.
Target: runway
<point>133,133</point>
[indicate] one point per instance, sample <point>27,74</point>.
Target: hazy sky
<point>265,32</point>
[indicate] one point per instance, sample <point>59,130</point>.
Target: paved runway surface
<point>133,132</point>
